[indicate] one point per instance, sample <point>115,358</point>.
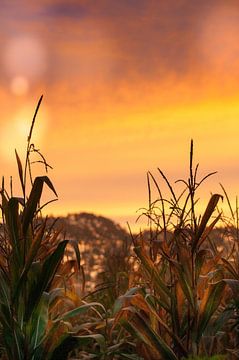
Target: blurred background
<point>127,84</point>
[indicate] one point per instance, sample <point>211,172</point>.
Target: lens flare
<point>24,59</point>
<point>19,85</point>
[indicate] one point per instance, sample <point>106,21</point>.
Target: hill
<point>104,245</point>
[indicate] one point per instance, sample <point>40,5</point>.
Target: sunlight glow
<point>14,133</point>
<point>219,37</point>
<point>19,85</point>
<point>24,59</point>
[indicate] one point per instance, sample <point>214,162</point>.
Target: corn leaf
<point>154,276</point>
<point>139,328</point>
<point>45,278</point>
<point>20,171</point>
<point>185,283</point>
<point>234,286</point>
<point>210,302</point>
<point>38,322</point>
<point>120,301</point>
<point>206,217</point>
<point>29,260</point>
<point>174,336</point>
<point>230,269</point>
<point>79,310</point>
<point>12,220</point>
<point>34,199</point>
<point>199,261</point>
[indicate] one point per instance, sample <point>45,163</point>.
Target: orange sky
<point>126,85</point>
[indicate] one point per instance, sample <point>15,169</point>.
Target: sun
<point>14,133</point>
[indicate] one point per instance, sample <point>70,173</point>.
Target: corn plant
<point>39,311</point>
<point>181,274</point>
<point>230,260</point>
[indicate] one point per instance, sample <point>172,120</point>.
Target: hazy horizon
<point>126,86</point>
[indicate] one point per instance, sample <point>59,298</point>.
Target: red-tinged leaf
<point>155,313</point>
<point>140,328</point>
<point>210,264</point>
<point>154,277</point>
<point>234,286</point>
<point>230,269</point>
<point>206,217</point>
<point>208,230</point>
<point>210,302</point>
<point>180,300</point>
<point>139,301</point>
<point>184,282</point>
<point>199,261</point>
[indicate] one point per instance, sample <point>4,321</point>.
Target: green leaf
<point>4,290</point>
<point>12,336</point>
<point>39,321</point>
<point>12,221</point>
<point>45,278</point>
<point>120,301</point>
<point>34,199</point>
<point>79,310</point>
<point>154,276</point>
<point>210,302</point>
<point>36,243</point>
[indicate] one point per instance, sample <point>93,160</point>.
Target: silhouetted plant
<point>37,305</point>
<point>182,277</point>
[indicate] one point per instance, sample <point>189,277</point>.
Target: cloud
<point>119,41</point>
<point>72,10</point>
<point>124,50</point>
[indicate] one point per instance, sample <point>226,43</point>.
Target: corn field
<point>173,295</point>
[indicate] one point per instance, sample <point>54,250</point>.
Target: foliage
<point>37,302</point>
<point>181,274</point>
<point>176,298</point>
